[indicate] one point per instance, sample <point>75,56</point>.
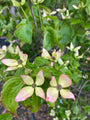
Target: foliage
<point>48,39</point>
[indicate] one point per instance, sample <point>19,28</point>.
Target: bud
<point>37,1</point>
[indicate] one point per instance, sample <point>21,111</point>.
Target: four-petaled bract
<point>29,90</point>
<point>15,64</point>
<point>55,55</point>
<point>3,52</point>
<point>52,92</point>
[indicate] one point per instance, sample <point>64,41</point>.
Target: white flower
<point>52,113</point>
<point>58,106</point>
<point>68,112</point>
<point>56,118</point>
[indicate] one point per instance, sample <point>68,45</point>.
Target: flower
<point>29,90</point>
<point>15,64</point>
<point>52,113</point>
<point>72,48</point>
<point>55,55</point>
<point>52,92</point>
<point>56,118</point>
<point>3,52</point>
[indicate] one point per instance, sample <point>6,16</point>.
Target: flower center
<point>53,57</point>
<point>19,61</point>
<point>59,87</point>
<point>33,85</point>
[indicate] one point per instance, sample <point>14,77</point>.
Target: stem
<point>29,1</point>
<point>23,12</point>
<point>83,87</point>
<point>16,116</point>
<point>40,14</point>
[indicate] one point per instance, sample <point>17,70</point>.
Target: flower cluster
<point>15,64</point>
<point>52,92</point>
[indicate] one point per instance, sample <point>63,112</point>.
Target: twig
<point>83,87</point>
<point>32,116</point>
<point>17,116</point>
<point>29,1</point>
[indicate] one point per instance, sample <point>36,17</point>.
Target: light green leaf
<point>24,31</point>
<point>15,3</point>
<point>6,116</point>
<point>9,92</point>
<point>76,109</point>
<point>23,2</point>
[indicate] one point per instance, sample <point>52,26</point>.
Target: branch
<point>83,87</point>
<point>29,1</point>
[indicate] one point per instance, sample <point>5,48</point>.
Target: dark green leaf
<point>33,103</point>
<point>67,33</point>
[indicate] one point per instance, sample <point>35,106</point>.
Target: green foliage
<point>24,31</point>
<point>9,92</point>
<point>6,116</point>
<point>33,103</point>
<point>49,38</point>
<point>49,24</point>
<point>87,108</point>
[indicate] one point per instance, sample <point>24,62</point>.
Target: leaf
<point>9,92</point>
<point>32,103</point>
<point>15,3</point>
<point>40,61</point>
<point>20,72</point>
<point>86,26</point>
<point>67,33</point>
<point>49,38</point>
<point>23,2</point>
<point>24,31</point>
<point>87,108</point>
<point>66,71</point>
<point>6,116</point>
<point>75,21</point>
<point>76,109</point>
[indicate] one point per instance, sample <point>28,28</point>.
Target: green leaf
<point>45,72</point>
<point>9,92</point>
<point>51,104</point>
<point>87,108</point>
<point>32,103</point>
<point>49,38</point>
<point>20,72</point>
<point>40,61</point>
<point>15,3</point>
<point>75,21</point>
<point>6,116</point>
<point>86,25</point>
<point>23,2</point>
<point>76,109</point>
<point>67,33</point>
<point>24,31</point>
